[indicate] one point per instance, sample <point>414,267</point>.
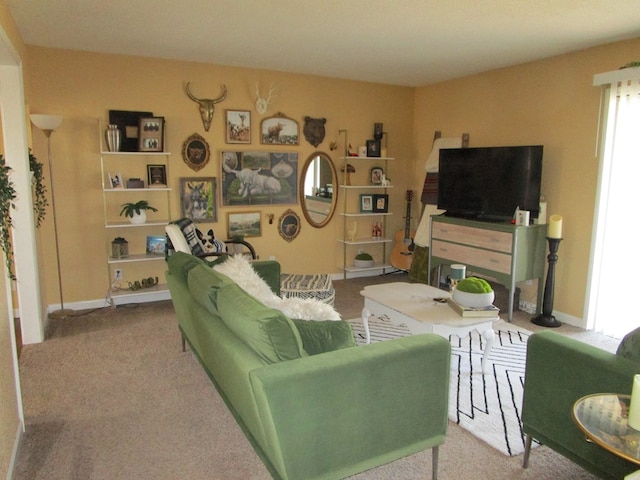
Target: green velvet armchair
<point>561,370</point>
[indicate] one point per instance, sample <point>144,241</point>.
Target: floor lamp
<point>48,124</point>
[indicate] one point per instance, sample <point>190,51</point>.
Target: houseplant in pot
<point>137,211</point>
<point>363,260</point>
<point>473,292</point>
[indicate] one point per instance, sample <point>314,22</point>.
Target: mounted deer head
<point>207,105</point>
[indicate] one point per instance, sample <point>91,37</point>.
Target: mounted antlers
<point>207,105</point>
<point>261,103</point>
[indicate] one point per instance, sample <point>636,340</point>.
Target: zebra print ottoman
<point>318,286</point>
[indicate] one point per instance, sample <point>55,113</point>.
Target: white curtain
<point>615,271</point>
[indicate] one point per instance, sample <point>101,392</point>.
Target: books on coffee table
<point>490,311</point>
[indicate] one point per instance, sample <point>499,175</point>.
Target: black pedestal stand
<point>546,319</point>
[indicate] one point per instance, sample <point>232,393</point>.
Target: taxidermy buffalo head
<point>207,105</point>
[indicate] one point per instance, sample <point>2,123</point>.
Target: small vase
<point>113,138</point>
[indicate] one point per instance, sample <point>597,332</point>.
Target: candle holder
<point>546,319</point>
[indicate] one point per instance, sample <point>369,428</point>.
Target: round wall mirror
<point>318,194</point>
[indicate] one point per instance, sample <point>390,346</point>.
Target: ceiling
<point>402,42</point>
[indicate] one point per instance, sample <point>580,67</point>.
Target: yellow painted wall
<point>550,102</point>
<point>9,418</point>
<point>84,86</point>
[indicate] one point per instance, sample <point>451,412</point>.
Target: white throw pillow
<point>239,269</point>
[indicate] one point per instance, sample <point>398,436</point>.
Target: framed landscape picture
<point>245,224</point>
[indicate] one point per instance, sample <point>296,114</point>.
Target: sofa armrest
<point>559,371</point>
<point>269,270</point>
<point>356,408</point>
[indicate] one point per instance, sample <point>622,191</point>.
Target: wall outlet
<point>272,257</point>
<point>117,274</point>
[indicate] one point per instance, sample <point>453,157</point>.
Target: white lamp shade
<point>46,122</point>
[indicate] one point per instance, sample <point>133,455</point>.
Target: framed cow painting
<point>258,178</point>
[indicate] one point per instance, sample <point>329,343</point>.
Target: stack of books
<point>490,311</point>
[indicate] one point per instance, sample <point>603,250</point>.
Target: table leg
<point>489,336</point>
<point>365,324</point>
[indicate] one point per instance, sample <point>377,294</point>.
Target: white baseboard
<point>17,442</point>
<point>139,297</point>
<point>366,273</point>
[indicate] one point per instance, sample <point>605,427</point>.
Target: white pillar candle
<point>458,271</point>
<point>555,226</point>
<point>634,408</point>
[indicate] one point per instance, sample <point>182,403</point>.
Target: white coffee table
<point>413,304</point>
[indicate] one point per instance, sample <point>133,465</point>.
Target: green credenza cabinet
<point>508,253</point>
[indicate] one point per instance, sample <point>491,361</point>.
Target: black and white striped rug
<point>489,406</point>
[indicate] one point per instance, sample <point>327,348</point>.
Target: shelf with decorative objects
<point>369,207</point>
<point>146,189</point>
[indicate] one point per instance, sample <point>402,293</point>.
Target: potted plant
<point>473,292</point>
<point>363,260</point>
<point>137,211</point>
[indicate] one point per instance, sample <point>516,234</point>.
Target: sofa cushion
<point>204,285</point>
<point>324,336</point>
<point>630,346</point>
<point>265,330</point>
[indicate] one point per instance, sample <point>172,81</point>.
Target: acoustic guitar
<point>402,253</point>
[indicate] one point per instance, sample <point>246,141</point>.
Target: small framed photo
<point>156,176</point>
<point>366,203</point>
<point>376,175</point>
<point>155,244</point>
<point>238,126</point>
<point>373,148</point>
<point>198,199</point>
<point>151,134</point>
<point>245,224</point>
<point>115,180</point>
<point>381,203</point>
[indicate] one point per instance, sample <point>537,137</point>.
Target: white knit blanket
<point>239,269</point>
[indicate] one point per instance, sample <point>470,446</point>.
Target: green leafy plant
<point>40,203</point>
<point>7,196</point>
<point>130,209</point>
<point>474,285</point>
<point>363,256</point>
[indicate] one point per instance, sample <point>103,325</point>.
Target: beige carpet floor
<point>110,395</point>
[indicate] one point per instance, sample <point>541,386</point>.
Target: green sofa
<point>559,371</point>
<point>313,405</point>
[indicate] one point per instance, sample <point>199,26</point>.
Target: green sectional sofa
<point>559,371</point>
<point>313,405</point>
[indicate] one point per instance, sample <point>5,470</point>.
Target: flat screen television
<point>488,183</point>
